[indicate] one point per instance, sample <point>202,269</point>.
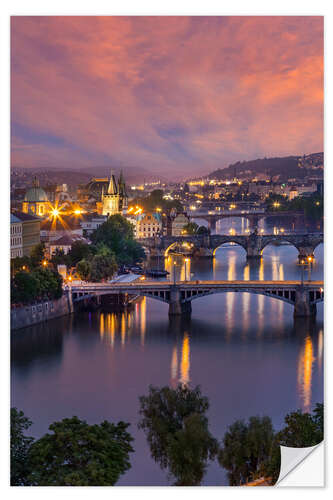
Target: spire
<point>112,189</point>
<point>121,183</point>
<point>35,182</point>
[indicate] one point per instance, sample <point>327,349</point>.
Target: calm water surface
<point>246,351</point>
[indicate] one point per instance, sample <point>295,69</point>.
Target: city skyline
<point>173,95</point>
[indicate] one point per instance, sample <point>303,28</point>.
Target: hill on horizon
<point>287,166</point>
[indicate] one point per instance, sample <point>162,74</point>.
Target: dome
<point>35,194</point>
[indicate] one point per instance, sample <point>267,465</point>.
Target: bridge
<point>302,295</point>
<point>253,244</point>
<point>254,216</point>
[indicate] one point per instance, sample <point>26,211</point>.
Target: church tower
<point>114,201</point>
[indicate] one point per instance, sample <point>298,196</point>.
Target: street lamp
<point>310,260</point>
<point>186,261</point>
<point>174,272</point>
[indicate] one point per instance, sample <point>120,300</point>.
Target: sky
<point>177,96</point>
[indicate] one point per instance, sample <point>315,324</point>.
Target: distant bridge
<point>253,244</point>
<point>303,296</point>
<point>254,216</point>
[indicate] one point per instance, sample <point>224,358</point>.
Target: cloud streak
<point>176,95</point>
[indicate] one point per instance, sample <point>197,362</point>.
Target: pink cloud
<point>167,93</point>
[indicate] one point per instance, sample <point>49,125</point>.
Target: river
<point>245,351</point>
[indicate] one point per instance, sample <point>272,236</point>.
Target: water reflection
<point>185,362</point>
<point>304,379</point>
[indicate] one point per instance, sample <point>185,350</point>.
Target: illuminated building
<point>16,248</point>
<point>64,243</point>
<point>35,200</point>
<point>24,233</point>
<point>114,201</point>
<point>148,225</point>
<point>178,224</point>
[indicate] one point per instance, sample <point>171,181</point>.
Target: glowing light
<point>305,363</point>
<point>70,278</point>
<point>23,268</point>
<point>185,361</point>
<point>55,212</point>
<point>158,209</point>
<point>77,211</point>
<point>44,263</point>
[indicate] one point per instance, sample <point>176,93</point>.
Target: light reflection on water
<point>246,351</point>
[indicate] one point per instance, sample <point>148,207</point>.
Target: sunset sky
<point>178,96</point>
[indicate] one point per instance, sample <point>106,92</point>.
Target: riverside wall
<point>21,317</point>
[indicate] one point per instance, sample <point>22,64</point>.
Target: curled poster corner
<point>302,466</point>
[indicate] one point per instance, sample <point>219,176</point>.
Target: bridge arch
<point>289,299</point>
<point>220,245</point>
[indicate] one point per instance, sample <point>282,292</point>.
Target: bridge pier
<point>303,306</point>
<point>176,306</point>
<point>212,225</point>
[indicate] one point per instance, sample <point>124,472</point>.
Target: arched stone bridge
<point>303,296</point>
<point>253,216</point>
<point>253,244</point>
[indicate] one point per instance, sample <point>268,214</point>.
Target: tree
<point>83,269</point>
<point>59,257</point>
<point>79,454</point>
<point>37,255</point>
<point>117,234</point>
<point>19,448</point>
<point>102,267</point>
<point>38,284</point>
<point>246,449</point>
<point>177,431</point>
<point>79,251</point>
<point>24,287</point>
<point>190,228</point>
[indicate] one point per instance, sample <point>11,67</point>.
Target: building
<point>178,223</point>
<point>148,225</point>
<point>16,245</point>
<point>35,200</point>
<point>29,234</point>
<point>293,193</point>
<point>115,200</point>
<point>64,243</point>
<point>90,223</point>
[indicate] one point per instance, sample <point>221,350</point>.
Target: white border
<point>145,7</point>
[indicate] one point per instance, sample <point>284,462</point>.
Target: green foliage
<point>79,251</point>
<point>155,200</point>
<point>39,284</point>
<point>37,255</point>
<point>117,234</point>
<point>190,449</point>
<point>103,266</point>
<point>83,269</point>
<point>59,257</point>
<point>190,228</point>
<point>79,454</point>
<point>19,448</point>
<point>312,206</point>
<point>177,431</point>
<point>246,449</point>
<point>19,264</point>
